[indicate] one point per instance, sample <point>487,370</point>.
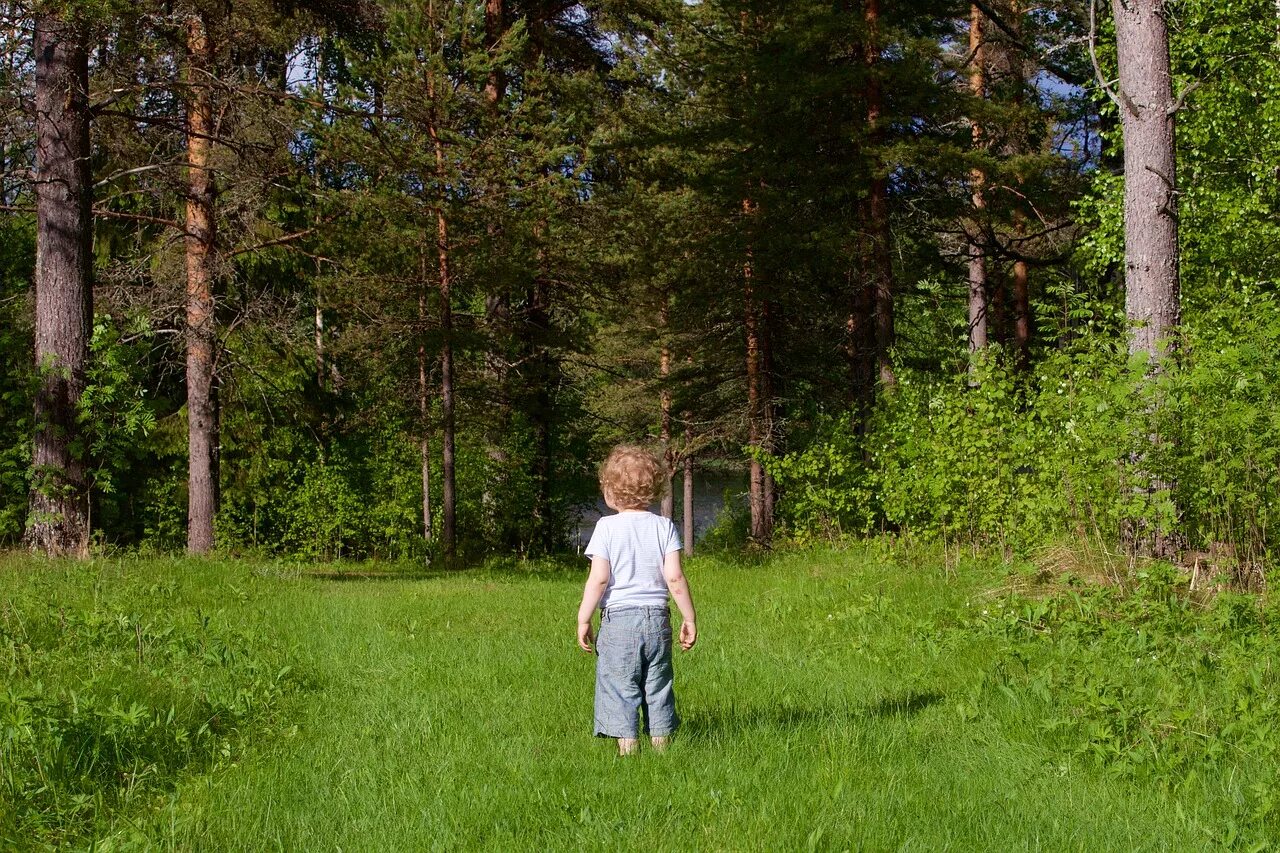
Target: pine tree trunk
<point>1021,291</point>
<point>755,396</point>
<point>878,206</point>
<point>688,500</point>
<point>58,520</point>
<point>448,455</point>
<point>201,246</point>
<point>1152,301</point>
<point>319,307</point>
<point>1152,298</point>
<point>664,395</point>
<point>977,254</point>
<point>424,411</point>
<point>495,26</point>
<point>1021,307</point>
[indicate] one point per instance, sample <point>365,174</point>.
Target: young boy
<point>635,564</point>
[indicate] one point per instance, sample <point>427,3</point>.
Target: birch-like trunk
<point>58,520</point>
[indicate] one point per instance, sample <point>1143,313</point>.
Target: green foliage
<point>1146,683</point>
<point>115,414</point>
<point>17,256</point>
<point>996,459</point>
<point>117,679</point>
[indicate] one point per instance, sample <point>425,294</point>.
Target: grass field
<point>836,700</point>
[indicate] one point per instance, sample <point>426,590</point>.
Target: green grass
<point>835,700</point>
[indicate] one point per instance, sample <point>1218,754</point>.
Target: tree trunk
<point>201,247</point>
<point>495,25</point>
<point>977,253</point>
<point>58,521</point>
<point>664,395</point>
<point>878,205</point>
<point>424,409</point>
<point>755,417</point>
<point>1021,307</point>
<point>688,498</point>
<point>448,479</point>
<point>315,177</point>
<point>1152,303</point>
<point>1152,299</point>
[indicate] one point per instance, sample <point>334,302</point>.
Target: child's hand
<point>688,635</point>
<point>584,636</point>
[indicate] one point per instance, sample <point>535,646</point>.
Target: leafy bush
<point>999,460</point>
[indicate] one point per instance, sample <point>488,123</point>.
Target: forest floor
<point>835,700</point>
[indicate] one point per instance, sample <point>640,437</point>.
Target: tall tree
<point>58,522</point>
<point>201,238</point>
<point>1147,112</point>
<point>878,201</point>
<point>978,296</point>
<point>1152,300</point>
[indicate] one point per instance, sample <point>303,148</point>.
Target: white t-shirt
<point>636,544</point>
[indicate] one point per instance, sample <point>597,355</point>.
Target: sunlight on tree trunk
<point>201,247</point>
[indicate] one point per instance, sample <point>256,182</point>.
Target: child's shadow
<point>712,722</point>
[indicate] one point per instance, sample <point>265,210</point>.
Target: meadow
<point>866,698</point>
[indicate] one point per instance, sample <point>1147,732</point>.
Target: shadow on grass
<point>726,720</point>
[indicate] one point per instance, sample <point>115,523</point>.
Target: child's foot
<point>628,745</point>
<point>659,743</point>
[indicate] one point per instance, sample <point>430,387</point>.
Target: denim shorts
<point>633,672</point>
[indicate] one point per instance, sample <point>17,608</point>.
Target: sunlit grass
<point>832,703</point>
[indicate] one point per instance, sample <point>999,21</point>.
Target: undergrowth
<point>1142,679</point>
<point>117,678</point>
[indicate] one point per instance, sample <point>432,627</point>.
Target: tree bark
<point>1152,298</point>
<point>878,205</point>
<point>495,26</point>
<point>424,409</point>
<point>759,490</point>
<point>58,521</point>
<point>976,251</point>
<point>201,248</point>
<point>1021,307</point>
<point>448,461</point>
<point>664,395</point>
<point>688,497</point>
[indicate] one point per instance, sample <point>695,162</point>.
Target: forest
<point>961,316</point>
<point>385,279</point>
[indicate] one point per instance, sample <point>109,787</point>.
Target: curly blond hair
<point>632,477</point>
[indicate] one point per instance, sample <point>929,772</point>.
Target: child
<point>635,563</point>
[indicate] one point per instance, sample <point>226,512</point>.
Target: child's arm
<point>678,586</point>
<point>597,582</point>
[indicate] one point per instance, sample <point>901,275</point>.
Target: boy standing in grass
<point>635,565</point>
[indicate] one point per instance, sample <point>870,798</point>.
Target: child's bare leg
<point>659,742</point>
<point>628,745</point>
